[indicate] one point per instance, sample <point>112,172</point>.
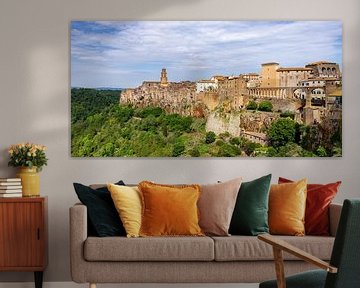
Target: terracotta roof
<point>320,79</point>
<point>270,63</point>
<point>320,62</point>
<point>250,74</point>
<point>293,69</point>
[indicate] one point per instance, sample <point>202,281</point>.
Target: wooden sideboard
<point>23,235</point>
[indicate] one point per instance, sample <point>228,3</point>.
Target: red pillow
<point>319,197</point>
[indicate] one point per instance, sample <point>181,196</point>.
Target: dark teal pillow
<point>250,216</point>
<point>103,219</point>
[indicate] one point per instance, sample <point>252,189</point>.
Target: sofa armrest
<point>334,217</point>
<point>78,235</point>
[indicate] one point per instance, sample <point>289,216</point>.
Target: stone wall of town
<point>173,98</point>
<point>238,122</point>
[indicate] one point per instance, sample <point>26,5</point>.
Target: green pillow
<point>250,216</point>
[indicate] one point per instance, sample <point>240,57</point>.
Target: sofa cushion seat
<point>249,248</point>
<point>149,249</point>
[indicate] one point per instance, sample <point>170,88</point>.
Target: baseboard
<point>74,285</point>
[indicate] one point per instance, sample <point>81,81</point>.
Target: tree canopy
<point>281,132</point>
<point>101,127</point>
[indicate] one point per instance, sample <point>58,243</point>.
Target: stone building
<point>256,137</point>
<point>250,76</point>
<point>252,80</point>
<point>324,69</point>
<point>173,97</point>
<point>163,78</point>
<point>217,78</point>
<point>334,98</point>
<point>318,89</point>
<point>268,75</point>
<point>206,85</point>
<point>232,86</point>
<point>290,76</point>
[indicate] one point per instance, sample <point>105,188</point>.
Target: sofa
<point>233,259</point>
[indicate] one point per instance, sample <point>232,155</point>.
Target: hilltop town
<point>311,94</point>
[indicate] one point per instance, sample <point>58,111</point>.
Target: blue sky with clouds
<point>123,54</point>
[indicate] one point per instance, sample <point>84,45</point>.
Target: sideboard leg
<point>38,279</point>
<point>92,285</point>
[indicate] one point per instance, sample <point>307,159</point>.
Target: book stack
<point>10,187</point>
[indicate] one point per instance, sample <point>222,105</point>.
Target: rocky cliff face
<point>291,105</point>
<point>222,122</point>
<point>257,121</point>
<point>234,123</point>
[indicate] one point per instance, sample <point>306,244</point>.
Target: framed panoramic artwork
<point>206,88</point>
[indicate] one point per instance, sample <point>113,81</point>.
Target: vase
<point>30,181</point>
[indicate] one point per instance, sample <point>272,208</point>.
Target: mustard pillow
<point>127,201</point>
<point>169,210</point>
<point>287,204</point>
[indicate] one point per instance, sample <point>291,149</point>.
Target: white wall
<point>35,102</point>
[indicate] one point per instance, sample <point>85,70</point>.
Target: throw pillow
<point>319,197</point>
<point>102,214</point>
<point>127,201</point>
<point>216,206</point>
<point>250,215</point>
<point>287,204</point>
<point>169,210</point>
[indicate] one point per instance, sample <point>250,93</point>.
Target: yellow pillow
<point>127,201</point>
<point>287,204</point>
<point>169,210</point>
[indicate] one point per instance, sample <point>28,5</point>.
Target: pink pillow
<point>216,205</point>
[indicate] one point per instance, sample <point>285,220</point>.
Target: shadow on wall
<point>38,57</point>
<point>4,159</point>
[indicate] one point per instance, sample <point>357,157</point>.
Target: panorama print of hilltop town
<point>206,89</point>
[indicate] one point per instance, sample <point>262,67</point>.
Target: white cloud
<point>123,54</point>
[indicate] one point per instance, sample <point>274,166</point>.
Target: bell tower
<point>163,78</point>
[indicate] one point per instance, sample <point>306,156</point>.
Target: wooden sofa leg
<point>92,285</point>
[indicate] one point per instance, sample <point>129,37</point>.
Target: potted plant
<point>30,158</point>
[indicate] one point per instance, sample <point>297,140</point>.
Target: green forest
<point>100,127</point>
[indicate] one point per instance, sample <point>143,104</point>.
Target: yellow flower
<point>41,147</point>
<point>28,153</point>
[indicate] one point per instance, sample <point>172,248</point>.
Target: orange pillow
<point>169,210</point>
<point>287,204</point>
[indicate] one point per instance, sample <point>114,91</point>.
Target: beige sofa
<point>234,259</point>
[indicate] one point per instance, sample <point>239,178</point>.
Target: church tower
<point>163,78</point>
